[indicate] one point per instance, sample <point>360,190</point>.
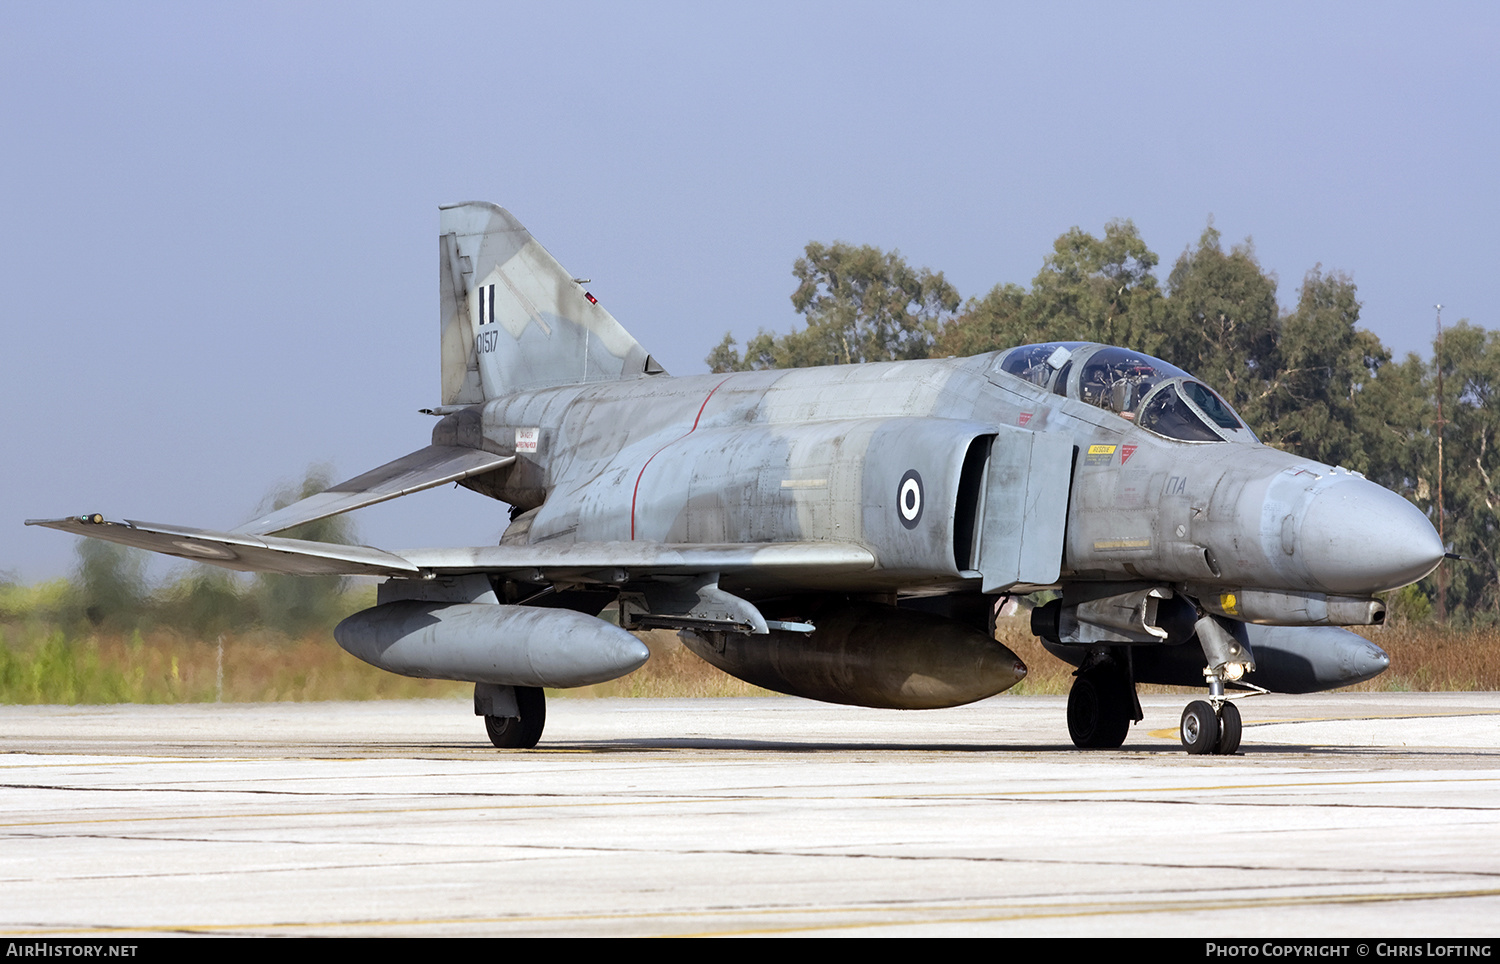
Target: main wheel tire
<point>1229,730</point>
<point>1098,712</point>
<point>1200,728</point>
<point>510,733</point>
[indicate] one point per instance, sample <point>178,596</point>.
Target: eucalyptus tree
<point>860,304</point>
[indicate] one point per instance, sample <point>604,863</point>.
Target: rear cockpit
<point>1158,397</point>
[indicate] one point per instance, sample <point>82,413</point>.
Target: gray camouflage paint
<point>533,327</point>
<point>819,454</point>
<point>943,476</point>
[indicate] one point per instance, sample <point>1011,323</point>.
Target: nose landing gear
<point>1213,725</point>
<point>1209,729</point>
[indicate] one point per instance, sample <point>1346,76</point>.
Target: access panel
<point>1024,515</point>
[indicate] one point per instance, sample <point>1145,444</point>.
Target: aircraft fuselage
<point>821,454</point>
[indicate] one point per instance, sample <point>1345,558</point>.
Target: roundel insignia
<point>909,498</point>
<point>203,549</point>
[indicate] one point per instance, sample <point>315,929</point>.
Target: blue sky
<point>217,221</point>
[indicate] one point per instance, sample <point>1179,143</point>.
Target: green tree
<point>760,353</point>
<point>1100,289</point>
<point>1222,324</point>
<point>1317,377</point>
<point>1394,415</point>
<point>1470,360</point>
<point>1005,317</point>
<point>205,602</point>
<point>296,604</point>
<point>1089,289</point>
<point>111,582</point>
<point>861,304</point>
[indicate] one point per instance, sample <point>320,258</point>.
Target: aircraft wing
<point>241,551</point>
<point>601,562</point>
<point>422,469</point>
<point>614,562</point>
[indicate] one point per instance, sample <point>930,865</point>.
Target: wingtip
<point>88,518</point>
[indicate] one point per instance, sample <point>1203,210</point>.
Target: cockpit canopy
<point>1158,397</point>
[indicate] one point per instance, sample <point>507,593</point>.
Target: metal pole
<point>1442,580</point>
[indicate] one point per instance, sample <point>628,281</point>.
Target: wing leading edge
<point>599,562</point>
<point>240,551</point>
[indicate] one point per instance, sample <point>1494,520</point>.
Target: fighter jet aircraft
<point>842,533</point>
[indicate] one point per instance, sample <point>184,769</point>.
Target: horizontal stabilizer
<point>422,469</point>
<point>244,552</point>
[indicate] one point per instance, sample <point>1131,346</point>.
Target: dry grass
<point>161,666</point>
<point>44,666</point>
<point>1424,659</point>
<point>1046,675</point>
<point>672,671</point>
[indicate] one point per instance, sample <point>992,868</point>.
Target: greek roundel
<point>909,498</point>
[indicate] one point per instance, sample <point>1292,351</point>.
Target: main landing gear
<point>1101,706</point>
<point>514,716</point>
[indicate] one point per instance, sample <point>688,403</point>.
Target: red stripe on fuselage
<point>636,491</point>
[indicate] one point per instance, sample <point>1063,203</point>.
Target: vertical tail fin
<point>513,319</point>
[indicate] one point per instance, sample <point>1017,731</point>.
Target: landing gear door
<point>1025,513</point>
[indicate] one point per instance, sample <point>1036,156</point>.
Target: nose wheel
<point>1206,729</point>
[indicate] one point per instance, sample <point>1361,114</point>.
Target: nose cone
<point>1357,538</point>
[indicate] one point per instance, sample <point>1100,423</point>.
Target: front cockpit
<point>1158,397</point>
